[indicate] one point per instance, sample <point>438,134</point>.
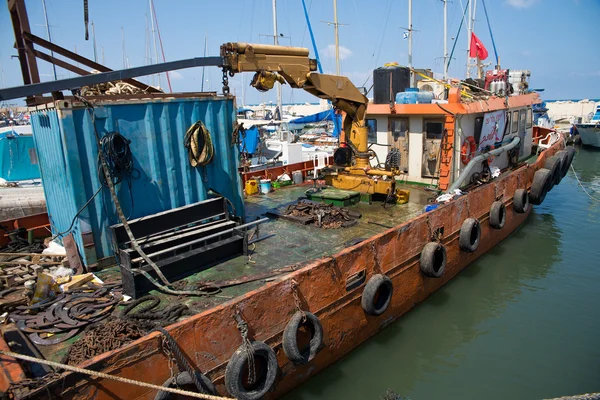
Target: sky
<point>555,39</point>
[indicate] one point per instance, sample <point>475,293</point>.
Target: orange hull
<point>210,338</point>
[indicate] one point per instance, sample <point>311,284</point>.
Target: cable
<point>581,185</point>
<point>491,34</point>
<point>117,153</point>
<point>76,215</point>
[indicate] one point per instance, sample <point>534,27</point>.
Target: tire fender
<point>521,201</point>
<point>377,295</point>
<point>433,260</point>
<point>539,186</point>
<point>290,337</point>
<point>235,368</point>
<point>554,165</point>
<point>564,162</point>
<point>470,234</point>
<point>184,379</point>
<point>497,215</point>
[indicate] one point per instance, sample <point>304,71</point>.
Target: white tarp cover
<point>492,130</point>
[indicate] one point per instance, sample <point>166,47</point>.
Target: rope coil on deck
<point>112,377</point>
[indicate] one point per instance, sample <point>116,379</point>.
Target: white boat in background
<point>589,132</point>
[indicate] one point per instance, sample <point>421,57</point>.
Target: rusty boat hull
<point>209,339</point>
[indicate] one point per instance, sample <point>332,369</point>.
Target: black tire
<point>521,201</point>
<point>539,186</point>
<point>564,161</point>
<point>290,337</point>
<point>236,366</point>
<point>554,165</point>
<point>377,295</point>
<point>433,260</point>
<point>184,381</point>
<point>571,151</point>
<point>470,234</point>
<point>497,215</point>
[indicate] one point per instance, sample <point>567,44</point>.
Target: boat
<point>589,132</point>
<point>291,280</point>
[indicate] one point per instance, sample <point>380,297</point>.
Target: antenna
<point>336,29</point>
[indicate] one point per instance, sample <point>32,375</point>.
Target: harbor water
<point>522,322</point>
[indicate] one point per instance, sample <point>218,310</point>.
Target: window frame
<point>438,121</point>
<point>391,133</point>
<point>371,133</point>
<point>514,128</point>
<point>529,118</point>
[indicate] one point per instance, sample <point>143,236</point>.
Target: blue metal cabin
<point>163,178</point>
<point>18,161</point>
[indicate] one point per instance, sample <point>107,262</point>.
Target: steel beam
<point>60,63</point>
<point>94,79</point>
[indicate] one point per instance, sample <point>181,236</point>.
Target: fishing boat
<point>275,286</point>
<point>589,132</point>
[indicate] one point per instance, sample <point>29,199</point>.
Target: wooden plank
<point>72,253</point>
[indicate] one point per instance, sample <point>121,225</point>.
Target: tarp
<point>16,156</point>
<point>492,130</point>
<point>328,115</point>
<point>249,140</point>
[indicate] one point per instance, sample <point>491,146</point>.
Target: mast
<point>337,38</point>
<point>123,47</point>
<point>276,42</point>
<point>153,36</point>
<point>410,32</point>
<point>469,31</point>
<point>49,37</point>
<point>445,39</point>
<point>203,68</point>
<point>94,42</point>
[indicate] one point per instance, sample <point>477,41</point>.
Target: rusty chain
<point>225,82</point>
<point>247,345</point>
<point>377,266</point>
<point>468,206</point>
<point>297,303</point>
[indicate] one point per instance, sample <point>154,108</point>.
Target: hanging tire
<point>433,260</point>
<point>554,165</point>
<point>564,162</point>
<point>571,151</point>
<point>497,215</point>
<point>539,186</point>
<point>265,364</point>
<point>521,201</point>
<point>470,233</point>
<point>377,295</point>
<point>184,381</point>
<point>290,337</point>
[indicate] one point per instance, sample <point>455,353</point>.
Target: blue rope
<point>458,33</point>
<point>312,37</point>
<point>490,27</point>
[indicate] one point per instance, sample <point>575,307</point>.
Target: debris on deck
<point>324,216</point>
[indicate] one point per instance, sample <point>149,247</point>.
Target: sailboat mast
<point>123,46</point>
<point>49,37</point>
<point>410,32</point>
<point>94,42</point>
<point>276,42</point>
<point>337,38</point>
<point>469,31</point>
<point>203,68</point>
<point>154,36</point>
<point>445,39</point>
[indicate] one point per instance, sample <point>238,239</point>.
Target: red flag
<point>477,48</point>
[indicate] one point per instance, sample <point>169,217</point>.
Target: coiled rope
<point>111,377</point>
<point>198,142</point>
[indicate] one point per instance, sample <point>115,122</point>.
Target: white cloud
<point>521,3</point>
<point>329,51</point>
<point>525,53</point>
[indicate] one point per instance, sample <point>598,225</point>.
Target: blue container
<point>414,96</point>
<point>265,186</point>
<point>18,160</point>
<point>163,178</point>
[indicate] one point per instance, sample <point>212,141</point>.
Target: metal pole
<point>154,36</point>
<point>49,37</point>
<point>410,31</point>
<point>276,42</point>
<point>445,39</point>
<point>203,68</point>
<point>477,62</point>
<point>337,38</point>
<point>94,41</point>
<point>469,31</point>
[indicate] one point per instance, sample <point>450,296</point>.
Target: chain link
<point>377,266</point>
<point>297,303</point>
<point>468,206</point>
<point>248,349</point>
<point>225,82</point>
<point>167,350</point>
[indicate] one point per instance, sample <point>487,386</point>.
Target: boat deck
<point>291,244</point>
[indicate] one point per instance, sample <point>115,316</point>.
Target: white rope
<point>584,189</point>
<point>113,377</point>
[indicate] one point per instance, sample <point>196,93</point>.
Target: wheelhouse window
<point>434,129</point>
<point>398,127</point>
<point>529,117</point>
<point>515,121</point>
<point>372,129</point>
<point>522,119</point>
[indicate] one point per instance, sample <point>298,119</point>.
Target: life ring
<point>290,337</point>
<point>468,149</point>
<point>265,362</point>
<point>433,260</point>
<point>377,295</point>
<point>470,234</point>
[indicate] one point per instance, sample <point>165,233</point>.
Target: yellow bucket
<point>402,196</point>
<point>251,187</point>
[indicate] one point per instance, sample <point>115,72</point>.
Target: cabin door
<point>398,139</point>
<point>433,132</point>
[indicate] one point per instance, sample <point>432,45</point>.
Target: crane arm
<point>293,65</point>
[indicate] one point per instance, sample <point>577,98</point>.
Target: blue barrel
<point>414,96</point>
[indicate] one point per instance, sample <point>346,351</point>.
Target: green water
<point>523,322</point>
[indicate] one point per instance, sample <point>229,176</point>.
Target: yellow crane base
<point>363,183</point>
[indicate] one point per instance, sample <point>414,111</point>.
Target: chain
<point>468,206</point>
<point>167,350</point>
<point>518,181</point>
<point>225,82</point>
<point>377,266</point>
<point>429,231</point>
<point>294,287</point>
<point>247,345</point>
<point>496,191</point>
